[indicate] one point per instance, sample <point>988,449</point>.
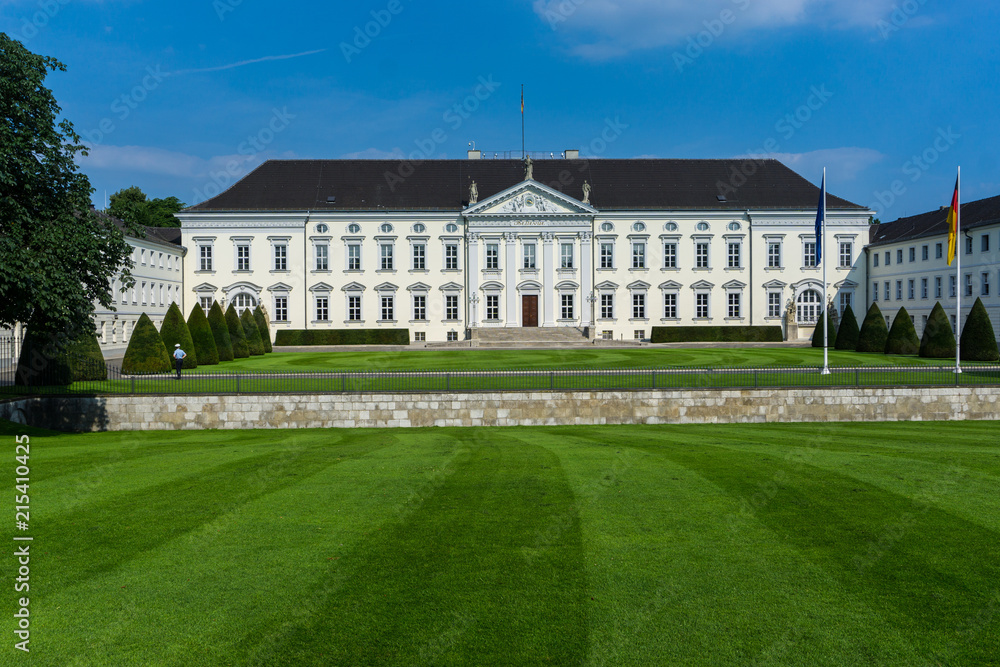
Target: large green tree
<point>131,205</point>
<point>57,257</point>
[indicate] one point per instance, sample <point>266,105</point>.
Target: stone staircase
<point>529,336</point>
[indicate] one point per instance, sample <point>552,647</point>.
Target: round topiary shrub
<point>979,342</point>
<point>902,336</point>
<point>847,334</point>
<point>220,332</point>
<point>201,334</point>
<point>265,332</point>
<point>831,332</point>
<point>174,330</point>
<point>146,352</point>
<point>43,361</point>
<point>938,341</point>
<point>254,343</point>
<point>86,361</point>
<point>873,333</point>
<point>236,334</point>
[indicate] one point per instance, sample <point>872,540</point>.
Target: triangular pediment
<point>530,197</point>
<point>205,287</point>
<point>280,287</point>
<point>321,287</point>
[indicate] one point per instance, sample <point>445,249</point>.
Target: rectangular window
<point>206,303</point>
<point>607,306</point>
<point>984,243</point>
<point>888,258</point>
<point>924,253</point>
<point>809,254</point>
<point>845,300</point>
<point>322,257</point>
<point>281,257</point>
<point>968,284</point>
<point>387,308</point>
<point>143,256</point>
<point>419,336</point>
<point>607,255</point>
<point>952,289</point>
<point>701,255</point>
<point>281,309</point>
<point>937,287</point>
<point>670,255</point>
<point>888,294</point>
<point>846,254</point>
<point>638,255</point>
<point>734,256</point>
<point>734,305</point>
<point>913,254</point>
<point>923,288</point>
<point>492,256</point>
<point>529,256</point>
<point>419,307</point>
<point>938,251</point>
<point>701,305</point>
<point>353,256</point>
<point>160,255</point>
<point>322,309</point>
<point>638,334</point>
<point>909,289</point>
<point>385,252</point>
<point>670,306</point>
<point>774,255</point>
<point>638,306</point>
<point>452,336</point>
<point>567,306</point>
<point>242,258</point>
<point>899,256</point>
<point>143,294</point>
<point>567,256</point>
<point>968,245</point>
<point>984,286</point>
<point>419,255</point>
<point>493,307</point>
<point>354,308</point>
<point>205,253</point>
<point>875,260</point>
<point>773,304</point>
<point>451,307</point>
<point>451,257</point>
<point>899,290</point>
<point>875,291</point>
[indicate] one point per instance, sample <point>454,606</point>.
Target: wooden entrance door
<point>529,310</point>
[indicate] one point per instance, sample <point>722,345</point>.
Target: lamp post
<point>474,302</point>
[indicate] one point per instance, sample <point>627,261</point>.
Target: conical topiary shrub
<point>979,342</point>
<point>265,332</point>
<point>938,341</point>
<point>86,361</point>
<point>220,332</point>
<point>236,334</point>
<point>902,336</point>
<point>831,328</point>
<point>146,352</point>
<point>874,332</point>
<point>201,334</point>
<point>847,334</point>
<point>254,343</point>
<point>174,330</point>
<point>43,361</point>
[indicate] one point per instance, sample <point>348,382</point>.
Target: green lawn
<point>732,545</point>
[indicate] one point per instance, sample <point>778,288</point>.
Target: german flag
<point>953,226</point>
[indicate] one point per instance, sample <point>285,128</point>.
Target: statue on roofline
<point>529,168</point>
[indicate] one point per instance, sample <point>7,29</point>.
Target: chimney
<point>573,154</point>
<point>475,155</point>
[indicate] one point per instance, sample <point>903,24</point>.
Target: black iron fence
<point>10,348</point>
<point>199,382</point>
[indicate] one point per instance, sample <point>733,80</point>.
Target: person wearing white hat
<point>179,355</point>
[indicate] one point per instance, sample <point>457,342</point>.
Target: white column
<point>510,287</point>
<point>472,276</point>
<point>548,295</point>
<point>586,277</point>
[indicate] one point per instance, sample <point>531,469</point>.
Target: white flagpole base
<point>825,371</point>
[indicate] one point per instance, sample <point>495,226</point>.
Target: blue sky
<point>180,98</point>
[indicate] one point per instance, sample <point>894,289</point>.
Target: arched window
<point>808,307</point>
<point>242,302</point>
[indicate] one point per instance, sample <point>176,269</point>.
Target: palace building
<point>450,248</point>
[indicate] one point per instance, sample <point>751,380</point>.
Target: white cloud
<point>602,29</point>
<point>375,154</point>
<point>842,164</point>
<point>243,62</point>
<point>150,160</point>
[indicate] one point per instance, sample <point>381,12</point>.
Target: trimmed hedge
<point>174,330</point>
<point>720,334</point>
<point>42,361</point>
<point>86,361</point>
<point>254,343</point>
<point>265,332</point>
<point>939,340</point>
<point>220,332</point>
<point>847,334</point>
<point>236,334</point>
<point>342,337</point>
<point>902,336</point>
<point>874,333</point>
<point>201,334</point>
<point>979,342</point>
<point>146,352</point>
<point>817,339</point>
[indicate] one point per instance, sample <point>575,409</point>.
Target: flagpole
<point>958,278</point>
<point>522,121</point>
<point>822,259</point>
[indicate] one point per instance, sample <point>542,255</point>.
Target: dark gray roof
<point>933,223</point>
<point>164,236</point>
<point>443,185</point>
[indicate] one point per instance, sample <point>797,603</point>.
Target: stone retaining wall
<point>127,413</point>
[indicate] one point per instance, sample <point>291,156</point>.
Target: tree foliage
<point>874,332</point>
<point>979,342</point>
<point>847,334</point>
<point>236,334</point>
<point>86,361</point>
<point>146,352</point>
<point>254,342</point>
<point>201,335</point>
<point>174,330</point>
<point>220,332</point>
<point>902,336</point>
<point>265,331</point>
<point>831,328</point>
<point>938,341</point>
<point>57,257</point>
<point>42,362</point>
<point>130,204</point>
